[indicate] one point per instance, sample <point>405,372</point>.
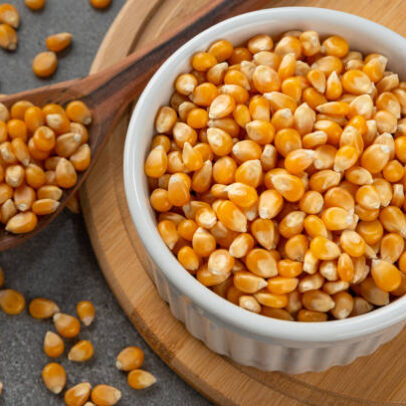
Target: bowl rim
<point>212,305</point>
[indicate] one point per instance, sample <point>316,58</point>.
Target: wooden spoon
<point>109,92</point>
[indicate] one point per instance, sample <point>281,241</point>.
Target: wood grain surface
<point>378,379</point>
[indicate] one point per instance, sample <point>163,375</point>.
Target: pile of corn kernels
<point>41,151</point>
<point>278,175</point>
<point>68,327</point>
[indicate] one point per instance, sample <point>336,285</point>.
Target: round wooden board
<point>375,380</point>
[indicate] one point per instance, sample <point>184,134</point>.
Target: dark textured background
<point>59,263</point>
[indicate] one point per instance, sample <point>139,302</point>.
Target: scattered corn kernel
<point>54,377</point>
<point>81,351</point>
<point>105,395</point>
<point>41,308</point>
<point>140,379</point>
<point>53,345</point>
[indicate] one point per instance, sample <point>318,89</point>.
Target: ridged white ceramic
<point>248,338</point>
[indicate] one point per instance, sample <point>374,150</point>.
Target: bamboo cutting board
<point>379,379</point>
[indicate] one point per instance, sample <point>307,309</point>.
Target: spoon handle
<point>111,90</point>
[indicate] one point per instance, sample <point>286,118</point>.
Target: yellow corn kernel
<point>44,138</point>
<point>315,226</point>
<point>17,129</point>
<point>323,180</point>
<point>311,202</point>
<point>22,223</point>
<point>385,275</point>
<point>287,45</point>
<point>260,131</point>
<point>247,282</point>
<point>344,304</point>
<point>34,118</point>
<point>9,15</point>
<point>207,278</point>
<point>78,394</point>
<point>271,300</point>
<point>86,312</point>
<point>11,301</point>
<point>249,303</point>
<point>44,206</point>
<point>311,316</point>
<point>375,157</point>
<point>334,88</point>
<point>393,171</point>
<point>316,300</point>
<point>261,42</point>
<point>317,79</point>
<point>287,140</point>
<point>296,247</point>
<point>54,377</point>
<point>78,112</point>
<point>242,195</point>
<point>236,77</point>
<point>14,175</point>
<point>260,262</point>
<point>270,204</point>
<point>358,176</point>
<point>45,64</point>
<point>352,243</point>
<point>53,345</point>
<point>299,160</point>
<point>310,263</point>
<point>224,170</point>
<point>140,379</point>
<point>203,242</point>
<point>203,61</point>
<point>81,158</point>
<point>367,196</point>
<point>81,351</point>
<point>65,173</point>
<point>345,268</point>
<point>265,79</point>
<point>221,50</point>
<point>100,4</point>
<point>67,144</point>
<point>281,285</point>
<point>259,108</point>
<point>130,358</point>
<point>391,247</point>
<point>335,108</point>
<point>324,157</point>
<point>287,66</point>
<point>41,308</point>
<point>66,325</point>
<point>18,109</point>
<point>310,42</point>
<point>58,42</point>
<point>220,262</point>
<point>232,217</point>
<point>400,148</point>
<point>263,231</point>
<point>36,153</point>
<point>311,282</point>
<point>345,158</point>
<point>8,210</point>
<point>328,64</point>
<point>324,249</point>
<point>187,228</point>
<point>370,231</point>
<point>291,224</point>
<point>393,220</point>
<point>220,142</point>
<point>289,186</point>
<point>8,37</point>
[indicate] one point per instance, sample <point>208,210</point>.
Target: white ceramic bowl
<point>246,337</point>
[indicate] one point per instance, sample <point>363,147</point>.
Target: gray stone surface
<point>59,263</point>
